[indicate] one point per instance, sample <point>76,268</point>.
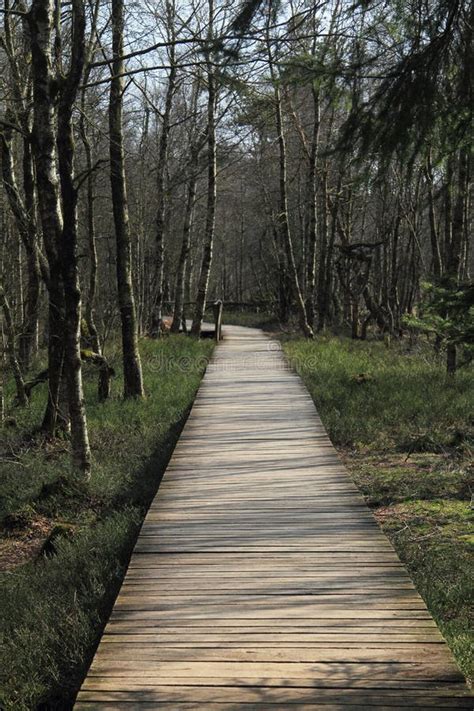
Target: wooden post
<point>218,308</point>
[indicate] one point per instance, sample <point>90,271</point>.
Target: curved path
<point>260,579</point>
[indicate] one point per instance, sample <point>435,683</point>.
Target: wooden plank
<point>254,614</point>
<point>271,559</point>
<point>261,642</point>
<point>116,654</point>
<point>297,632</point>
<point>303,694</point>
<point>305,699</point>
<point>191,705</point>
<point>260,579</point>
<point>277,672</point>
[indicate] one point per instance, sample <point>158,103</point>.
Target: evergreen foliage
<point>447,311</point>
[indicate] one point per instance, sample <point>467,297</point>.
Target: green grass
<point>54,607</point>
<point>388,479</point>
<point>406,433</point>
<point>380,398</point>
<point>436,541</point>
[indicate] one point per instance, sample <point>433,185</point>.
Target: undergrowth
<point>55,604</point>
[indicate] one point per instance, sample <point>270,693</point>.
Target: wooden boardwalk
<point>260,579</point>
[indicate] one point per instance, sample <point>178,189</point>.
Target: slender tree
<point>282,220</point>
<point>68,243</point>
<point>161,168</point>
<point>45,95</point>
<point>21,395</point>
<point>132,371</point>
<point>211,184</point>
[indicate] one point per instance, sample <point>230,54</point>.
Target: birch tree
<point>54,96</point>
<point>132,371</point>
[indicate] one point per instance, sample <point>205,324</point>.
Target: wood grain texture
<point>260,579</point>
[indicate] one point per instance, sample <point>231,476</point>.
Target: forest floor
<point>64,544</point>
<point>406,434</point>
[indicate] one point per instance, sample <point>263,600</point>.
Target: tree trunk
<point>93,335</point>
<point>376,313</point>
<point>132,372</point>
<point>283,224</point>
<point>28,340</point>
<point>282,218</point>
<point>44,146</point>
<point>2,403</point>
<point>26,226</point>
<point>156,316</point>
<point>184,253</point>
<point>188,273</point>
<point>448,208</point>
<point>14,364</point>
<point>434,238</point>
<point>323,276</point>
<point>451,359</point>
<point>355,318</point>
<point>211,196</point>
<point>28,344</point>
<point>312,206</point>
<point>454,257</point>
<point>393,295</point>
<point>81,454</point>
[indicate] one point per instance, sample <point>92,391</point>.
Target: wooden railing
<point>217,308</point>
